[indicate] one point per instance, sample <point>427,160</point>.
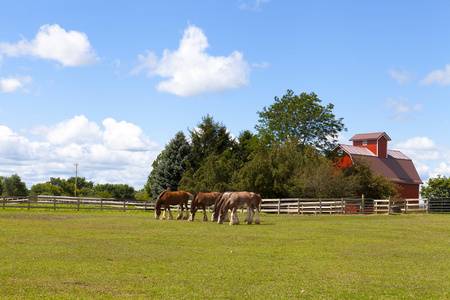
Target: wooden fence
<point>280,206</point>
<point>77,203</point>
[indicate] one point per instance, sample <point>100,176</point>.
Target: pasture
<point>130,255</point>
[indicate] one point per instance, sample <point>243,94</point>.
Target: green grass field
<point>104,255</point>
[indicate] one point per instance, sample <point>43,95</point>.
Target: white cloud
<point>12,84</point>
<point>429,158</point>
<point>261,65</point>
<point>125,136</point>
<point>397,106</point>
<point>418,143</point>
<point>78,130</point>
<point>192,71</point>
<point>441,77</point>
<point>103,156</point>
<point>403,109</point>
<point>401,77</point>
<point>55,43</point>
<point>252,4</point>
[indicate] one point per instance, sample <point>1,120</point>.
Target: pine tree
<point>208,138</point>
<point>169,167</point>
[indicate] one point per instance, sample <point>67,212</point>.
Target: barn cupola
<point>375,142</point>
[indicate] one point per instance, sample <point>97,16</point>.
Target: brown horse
<point>241,200</point>
<point>202,200</point>
<point>218,204</point>
<point>168,198</point>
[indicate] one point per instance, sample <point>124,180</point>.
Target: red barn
<point>393,164</point>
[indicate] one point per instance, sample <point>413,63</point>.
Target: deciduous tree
<point>301,119</point>
<point>438,187</point>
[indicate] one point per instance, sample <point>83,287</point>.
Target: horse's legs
<point>170,213</point>
<point>180,215</point>
<point>257,214</point>
<point>234,217</point>
<point>250,214</point>
<point>205,217</point>
<point>187,211</point>
<point>164,214</point>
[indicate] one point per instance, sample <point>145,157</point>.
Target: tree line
<point>291,155</point>
<point>13,186</point>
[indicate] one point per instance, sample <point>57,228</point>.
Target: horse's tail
<point>257,201</point>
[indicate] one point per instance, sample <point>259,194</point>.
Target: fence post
<point>298,206</point>
<point>342,206</point>
<point>363,204</point>
<point>78,204</point>
<point>427,204</point>
<point>29,203</point>
<point>406,206</point>
<point>389,205</point>
<point>54,203</point>
<point>101,204</point>
<point>320,206</point>
<point>124,201</point>
<point>279,205</point>
<point>4,202</point>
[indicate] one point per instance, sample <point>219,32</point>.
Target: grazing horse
<point>218,204</point>
<point>241,200</point>
<point>168,198</point>
<point>202,200</point>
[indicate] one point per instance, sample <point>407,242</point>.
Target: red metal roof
<point>397,166</point>
<point>353,150</point>
<point>398,170</point>
<point>369,136</point>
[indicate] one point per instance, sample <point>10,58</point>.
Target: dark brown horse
<point>168,198</point>
<point>202,200</point>
<point>239,200</point>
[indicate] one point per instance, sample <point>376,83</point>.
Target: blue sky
<point>106,84</point>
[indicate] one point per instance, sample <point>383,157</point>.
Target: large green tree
<point>209,137</point>
<point>169,166</point>
<point>438,187</point>
<point>300,118</point>
<point>13,186</point>
<point>57,186</point>
<point>118,191</point>
<point>290,170</point>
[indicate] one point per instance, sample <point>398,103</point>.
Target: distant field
<point>104,255</point>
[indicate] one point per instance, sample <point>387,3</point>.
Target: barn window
<point>364,142</point>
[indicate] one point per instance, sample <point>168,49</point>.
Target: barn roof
<point>397,166</point>
<point>370,136</point>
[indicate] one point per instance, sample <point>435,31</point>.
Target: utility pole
<point>76,177</point>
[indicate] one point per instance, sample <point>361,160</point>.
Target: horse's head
<point>157,209</point>
<point>193,203</point>
<point>158,206</point>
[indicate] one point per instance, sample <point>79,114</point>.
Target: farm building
<point>393,164</point>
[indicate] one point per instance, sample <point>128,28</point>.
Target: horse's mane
<point>159,197</point>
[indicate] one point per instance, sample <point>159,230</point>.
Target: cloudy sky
<point>106,84</point>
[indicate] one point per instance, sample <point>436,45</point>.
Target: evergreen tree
<point>170,166</point>
<point>208,138</point>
